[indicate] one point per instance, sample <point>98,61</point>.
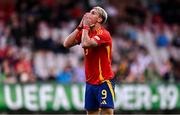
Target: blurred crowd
<point>146,40</point>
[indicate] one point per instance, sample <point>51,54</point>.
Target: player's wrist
<point>79,28</point>
<point>86,27</point>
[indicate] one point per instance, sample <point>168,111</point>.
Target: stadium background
<point>146,53</point>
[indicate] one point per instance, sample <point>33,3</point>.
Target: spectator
<point>79,73</point>
<point>23,69</point>
<point>66,75</point>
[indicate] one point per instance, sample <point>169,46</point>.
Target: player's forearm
<point>70,40</point>
<point>86,41</point>
<point>85,37</point>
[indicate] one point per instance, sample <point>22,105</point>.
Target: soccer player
<point>97,44</point>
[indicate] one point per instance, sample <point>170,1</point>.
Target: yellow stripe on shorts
<point>111,88</point>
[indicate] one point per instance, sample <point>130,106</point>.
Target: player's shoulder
<point>103,31</point>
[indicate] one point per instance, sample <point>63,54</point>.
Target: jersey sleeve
<point>78,37</point>
<point>102,38</point>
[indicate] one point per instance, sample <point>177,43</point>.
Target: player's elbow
<point>88,44</point>
<point>84,45</point>
<point>66,45</point>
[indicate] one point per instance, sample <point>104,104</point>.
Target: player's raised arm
<point>86,41</point>
<point>72,39</point>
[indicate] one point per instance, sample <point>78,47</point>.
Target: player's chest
<point>92,52</point>
<point>92,34</point>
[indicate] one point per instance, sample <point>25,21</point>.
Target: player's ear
<point>100,20</point>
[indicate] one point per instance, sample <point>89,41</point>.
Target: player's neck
<point>96,27</point>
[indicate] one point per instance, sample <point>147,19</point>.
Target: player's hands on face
<point>87,20</point>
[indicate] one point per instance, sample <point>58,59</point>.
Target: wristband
<point>79,28</point>
<point>86,27</point>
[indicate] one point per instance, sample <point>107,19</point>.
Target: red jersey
<point>98,59</point>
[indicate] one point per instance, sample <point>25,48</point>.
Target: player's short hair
<point>102,13</point>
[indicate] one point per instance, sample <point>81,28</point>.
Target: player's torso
<point>98,62</point>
